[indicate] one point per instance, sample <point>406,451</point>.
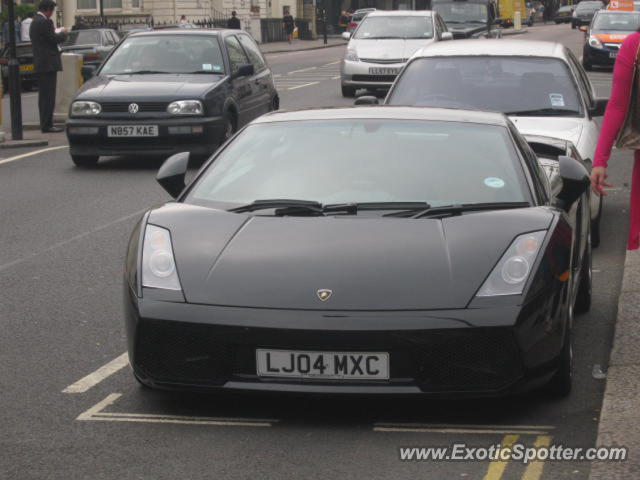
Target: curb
<point>308,48</point>
<point>36,126</point>
<point>514,32</point>
<point>620,414</point>
<point>23,144</point>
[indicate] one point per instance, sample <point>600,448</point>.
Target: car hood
<point>166,86</point>
<point>610,36</point>
<point>565,128</point>
<point>462,30</point>
<point>368,263</point>
<point>388,48</point>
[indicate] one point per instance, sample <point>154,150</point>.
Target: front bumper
<point>601,56</point>
<point>165,143</point>
<point>198,347</point>
<point>359,74</point>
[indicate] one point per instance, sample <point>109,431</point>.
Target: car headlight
<point>185,107</point>
<point>351,55</point>
<point>594,42</point>
<point>158,264</point>
<point>510,275</point>
<point>81,108</point>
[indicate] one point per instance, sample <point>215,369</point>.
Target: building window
<point>135,3</point>
<point>87,4</point>
<point>112,3</point>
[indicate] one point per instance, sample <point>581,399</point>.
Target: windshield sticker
<point>207,66</point>
<point>494,182</point>
<point>557,100</point>
<point>217,68</point>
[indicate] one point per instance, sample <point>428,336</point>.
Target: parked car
<point>163,92</point>
<point>408,251</point>
<point>540,85</point>
<point>357,17</point>
<point>381,45</point>
<point>563,14</point>
<point>93,44</point>
<point>24,54</point>
<point>584,12</point>
<point>133,29</point>
<point>604,36</point>
<point>470,19</point>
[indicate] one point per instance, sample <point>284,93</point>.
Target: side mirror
<point>598,108</point>
<point>172,172</point>
<point>244,70</point>
<point>346,35</point>
<point>367,100</point>
<point>446,36</point>
<point>575,181</point>
<point>88,71</point>
<point>583,28</point>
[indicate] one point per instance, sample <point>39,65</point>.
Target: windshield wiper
<point>543,112</point>
<point>139,72</point>
<point>306,207</point>
<point>379,38</point>
<point>203,71</point>
<point>458,209</point>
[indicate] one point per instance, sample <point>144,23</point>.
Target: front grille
<point>612,46</point>
<point>374,78</point>
<point>123,107</point>
<point>383,61</point>
<point>453,360</point>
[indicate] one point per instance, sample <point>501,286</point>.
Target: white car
<point>381,45</point>
<point>541,86</point>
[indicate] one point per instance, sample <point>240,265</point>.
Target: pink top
<point>613,119</point>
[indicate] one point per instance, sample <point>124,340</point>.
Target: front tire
<point>348,92</point>
<point>85,161</point>
<point>560,383</point>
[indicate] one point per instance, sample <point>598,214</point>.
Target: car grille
<point>123,107</point>
<point>454,360</point>
<point>612,46</point>
<point>384,61</point>
<point>374,78</point>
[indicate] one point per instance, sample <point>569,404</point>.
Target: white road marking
<point>332,63</point>
<point>301,70</point>
<point>99,375</point>
<point>304,85</point>
<point>72,239</point>
<point>335,78</point>
<point>96,413</point>
<point>31,154</point>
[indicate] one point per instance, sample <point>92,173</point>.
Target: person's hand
<point>598,177</point>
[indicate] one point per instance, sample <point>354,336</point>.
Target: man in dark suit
<point>47,62</point>
<point>234,22</point>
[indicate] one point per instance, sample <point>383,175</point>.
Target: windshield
<point>503,84</point>
<point>625,22</point>
<point>459,12</point>
<point>589,6</point>
<point>395,27</point>
<point>344,161</point>
<point>166,54</point>
<point>82,37</point>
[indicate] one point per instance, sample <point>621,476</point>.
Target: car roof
<point>386,113</point>
<point>400,13</point>
<point>186,31</point>
<point>494,47</point>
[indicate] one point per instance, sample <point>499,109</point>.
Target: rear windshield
<point>373,28</point>
<point>624,22</point>
<point>543,86</point>
<point>589,6</point>
<point>83,37</point>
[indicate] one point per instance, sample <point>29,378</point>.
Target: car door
<point>241,87</point>
<point>589,138</point>
<point>262,80</point>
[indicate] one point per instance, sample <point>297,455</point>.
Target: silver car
<point>382,44</point>
<point>541,86</point>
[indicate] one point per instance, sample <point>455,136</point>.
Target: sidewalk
<point>298,45</point>
<point>620,418</point>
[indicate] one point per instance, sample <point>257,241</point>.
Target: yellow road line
<point>497,467</point>
<point>534,469</point>
<point>31,154</point>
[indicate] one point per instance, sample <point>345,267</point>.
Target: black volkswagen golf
<point>164,92</point>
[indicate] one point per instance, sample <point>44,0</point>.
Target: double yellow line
<point>534,469</point>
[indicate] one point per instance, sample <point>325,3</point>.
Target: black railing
<point>272,30</point>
